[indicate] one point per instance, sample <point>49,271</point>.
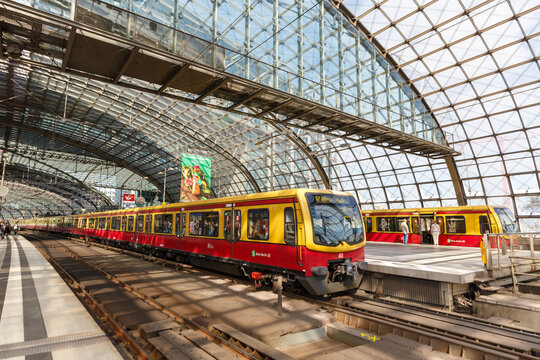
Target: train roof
<point>430,209</point>
<point>228,199</point>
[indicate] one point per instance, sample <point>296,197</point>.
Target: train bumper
<point>344,277</point>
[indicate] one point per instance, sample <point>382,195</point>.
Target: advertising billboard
<point>196,177</point>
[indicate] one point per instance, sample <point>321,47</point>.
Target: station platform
<point>426,273</point>
<point>40,317</point>
<point>459,265</point>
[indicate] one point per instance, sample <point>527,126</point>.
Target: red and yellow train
<point>460,225</point>
<point>313,238</point>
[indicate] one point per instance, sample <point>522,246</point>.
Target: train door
<point>415,234</point>
<point>425,225</point>
<point>139,226</point>
<point>237,231</point>
<point>290,235</point>
<point>228,229</point>
<point>147,229</point>
<point>180,228</point>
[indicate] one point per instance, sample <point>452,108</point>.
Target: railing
<point>522,253</point>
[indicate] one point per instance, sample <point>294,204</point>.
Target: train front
<point>334,260</point>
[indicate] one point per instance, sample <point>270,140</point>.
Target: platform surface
<point>40,317</point>
<point>459,265</point>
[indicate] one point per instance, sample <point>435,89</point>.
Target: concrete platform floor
<point>452,264</point>
<point>40,317</point>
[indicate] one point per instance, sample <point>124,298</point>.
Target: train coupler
<point>257,279</point>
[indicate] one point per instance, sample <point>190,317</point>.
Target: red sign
<point>128,197</point>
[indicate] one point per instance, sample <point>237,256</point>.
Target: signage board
<point>196,177</point>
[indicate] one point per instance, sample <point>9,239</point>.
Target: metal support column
<point>341,74</point>
<point>322,56</point>
<point>456,181</point>
<point>276,44</point>
<point>247,37</point>
<point>300,32</point>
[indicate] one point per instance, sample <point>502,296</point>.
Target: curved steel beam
<point>192,134</point>
<point>72,179</point>
<point>91,149</point>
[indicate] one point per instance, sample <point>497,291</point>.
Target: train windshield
<point>508,221</point>
<point>336,219</point>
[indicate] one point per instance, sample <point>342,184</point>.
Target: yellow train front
<point>313,238</point>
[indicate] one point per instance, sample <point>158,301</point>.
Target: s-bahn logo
<point>254,253</point>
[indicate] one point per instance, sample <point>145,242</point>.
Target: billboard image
<point>196,177</point>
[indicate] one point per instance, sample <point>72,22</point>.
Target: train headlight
<point>352,270</point>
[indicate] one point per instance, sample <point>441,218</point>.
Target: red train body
<point>313,238</point>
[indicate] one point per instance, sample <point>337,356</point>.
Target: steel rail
<point>427,331</point>
<point>479,322</point>
<point>157,305</point>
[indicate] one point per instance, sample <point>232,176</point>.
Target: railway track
<point>449,333</point>
<point>79,273</point>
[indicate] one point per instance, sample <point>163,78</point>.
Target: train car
<point>313,238</point>
<point>460,225</point>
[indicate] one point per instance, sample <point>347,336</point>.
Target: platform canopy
<point>401,103</point>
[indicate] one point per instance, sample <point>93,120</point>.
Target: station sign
<point>128,197</point>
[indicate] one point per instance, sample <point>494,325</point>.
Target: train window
<point>163,223</point>
<point>396,225</point>
<point>140,224</point>
<point>440,221</point>
<point>124,223</point>
<point>389,224</point>
<point>116,223</point>
<point>227,225</point>
<point>290,229</point>
<point>102,222</point>
<point>195,224</point>
<point>131,220</point>
<point>258,224</point>
<point>237,224</point>
<point>484,224</point>
<point>205,224</point>
<point>108,223</point>
<point>369,224</point>
<point>148,224</point>
<point>91,223</point>
<point>455,224</point>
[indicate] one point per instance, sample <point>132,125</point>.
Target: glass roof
<point>476,64</point>
<point>469,68</point>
